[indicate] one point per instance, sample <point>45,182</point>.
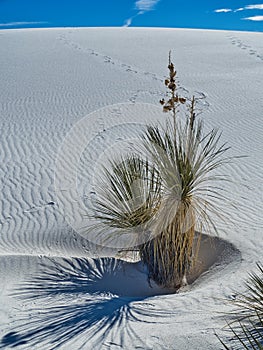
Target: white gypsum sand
<point>57,288</point>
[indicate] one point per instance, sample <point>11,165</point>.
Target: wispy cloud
<point>141,6</point>
<point>128,22</point>
<point>247,7</point>
<point>14,24</point>
<point>145,5</point>
<point>254,18</point>
<point>223,10</point>
<point>250,7</point>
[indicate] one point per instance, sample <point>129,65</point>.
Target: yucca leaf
<point>248,315</point>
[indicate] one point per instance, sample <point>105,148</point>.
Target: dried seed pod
<point>172,86</point>
<point>170,102</point>
<point>182,100</point>
<point>166,109</point>
<point>171,67</point>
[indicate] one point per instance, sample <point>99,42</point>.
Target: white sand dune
<point>59,290</point>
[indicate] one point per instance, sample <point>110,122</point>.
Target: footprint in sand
<point>238,43</point>
<point>37,208</point>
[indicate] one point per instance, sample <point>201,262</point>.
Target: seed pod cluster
<point>170,83</point>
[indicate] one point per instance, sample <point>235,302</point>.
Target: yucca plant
<point>170,194</point>
<point>128,197</point>
<point>247,326</point>
<point>186,160</point>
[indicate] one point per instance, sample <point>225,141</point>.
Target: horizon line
<point>129,28</point>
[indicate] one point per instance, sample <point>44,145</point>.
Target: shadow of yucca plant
<point>247,319</point>
<point>168,194</point>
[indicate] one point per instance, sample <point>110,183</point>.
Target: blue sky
<point>207,14</point>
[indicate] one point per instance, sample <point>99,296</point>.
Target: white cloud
<point>13,24</point>
<point>141,6</point>
<point>223,10</point>
<point>254,7</point>
<point>254,18</point>
<point>247,7</point>
<point>128,22</point>
<point>250,7</point>
<point>145,5</point>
